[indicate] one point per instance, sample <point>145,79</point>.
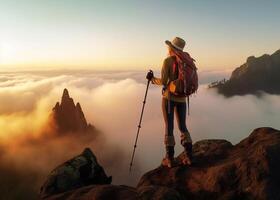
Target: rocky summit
<point>257,75</point>
<point>222,171</point>
<point>69,117</point>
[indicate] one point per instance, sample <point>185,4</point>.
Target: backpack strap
<point>174,67</point>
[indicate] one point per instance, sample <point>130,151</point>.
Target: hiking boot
<point>187,160</point>
<point>168,162</point>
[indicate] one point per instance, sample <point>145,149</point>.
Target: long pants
<point>180,110</point>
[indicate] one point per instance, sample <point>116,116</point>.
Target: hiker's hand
<point>150,75</point>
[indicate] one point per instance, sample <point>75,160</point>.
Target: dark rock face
<point>221,171</point>
<point>255,76</point>
<point>79,171</point>
<point>69,117</point>
<point>248,170</point>
<point>115,192</point>
<point>99,192</point>
<point>158,193</point>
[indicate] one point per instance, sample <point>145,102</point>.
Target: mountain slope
<point>257,75</point>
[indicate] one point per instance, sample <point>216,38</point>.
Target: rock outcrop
<point>222,171</point>
<point>248,170</point>
<point>69,117</point>
<point>257,75</point>
<point>80,171</point>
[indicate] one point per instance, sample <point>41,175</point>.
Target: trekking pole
<point>139,125</point>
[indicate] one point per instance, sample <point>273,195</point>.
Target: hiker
<point>175,100</point>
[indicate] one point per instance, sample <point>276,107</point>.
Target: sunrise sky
<point>113,35</point>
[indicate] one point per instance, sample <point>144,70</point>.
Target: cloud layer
<point>112,102</point>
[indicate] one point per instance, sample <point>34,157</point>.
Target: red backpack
<point>187,81</point>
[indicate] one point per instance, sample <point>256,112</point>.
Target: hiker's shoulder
<point>169,60</point>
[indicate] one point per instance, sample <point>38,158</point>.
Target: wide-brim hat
<point>177,43</point>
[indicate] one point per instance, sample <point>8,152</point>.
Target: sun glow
<point>8,52</point>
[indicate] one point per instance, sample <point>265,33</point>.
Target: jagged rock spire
<point>65,93</point>
<point>78,106</point>
<point>68,116</point>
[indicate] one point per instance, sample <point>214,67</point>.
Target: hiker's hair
<point>170,51</point>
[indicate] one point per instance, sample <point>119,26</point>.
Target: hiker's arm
<point>164,75</point>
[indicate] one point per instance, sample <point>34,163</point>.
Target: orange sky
<point>130,35</point>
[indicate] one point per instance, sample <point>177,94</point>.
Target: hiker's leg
<point>180,110</point>
<point>169,140</point>
<point>186,140</point>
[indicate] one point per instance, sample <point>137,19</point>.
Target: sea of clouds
<point>112,102</point>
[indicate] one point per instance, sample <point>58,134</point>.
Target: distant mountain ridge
<point>258,74</point>
<point>69,117</point>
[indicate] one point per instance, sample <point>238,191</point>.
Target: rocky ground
<point>247,170</point>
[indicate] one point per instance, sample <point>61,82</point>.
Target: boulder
<point>80,171</point>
